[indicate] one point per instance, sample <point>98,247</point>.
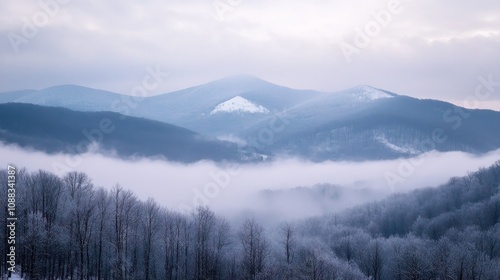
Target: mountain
<point>190,108</point>
<point>340,126</point>
<point>239,105</point>
<point>53,129</point>
<point>72,97</point>
<point>354,124</point>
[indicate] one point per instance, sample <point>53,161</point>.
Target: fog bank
<point>230,189</point>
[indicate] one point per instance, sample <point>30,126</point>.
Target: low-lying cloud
<point>233,189</point>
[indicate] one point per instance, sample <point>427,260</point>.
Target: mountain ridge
<point>56,129</point>
<point>359,123</point>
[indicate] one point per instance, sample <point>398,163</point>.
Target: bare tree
<point>103,201</point>
<point>45,189</point>
<point>204,224</point>
<point>174,237</point>
<point>372,259</point>
<point>151,225</point>
<point>81,220</point>
<point>221,241</point>
<point>255,248</point>
<point>288,242</point>
<point>311,263</point>
<point>124,202</point>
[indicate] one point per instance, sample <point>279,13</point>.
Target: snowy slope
<point>195,108</point>
<point>240,105</point>
<point>396,148</point>
<point>368,93</point>
<point>324,108</point>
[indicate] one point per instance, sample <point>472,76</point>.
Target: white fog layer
<point>232,189</point>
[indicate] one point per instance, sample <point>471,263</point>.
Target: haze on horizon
<point>424,49</point>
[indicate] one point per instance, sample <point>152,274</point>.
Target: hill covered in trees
<point>59,130</point>
<point>70,229</point>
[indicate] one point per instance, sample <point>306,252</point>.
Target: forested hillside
<point>68,228</point>
<point>59,130</point>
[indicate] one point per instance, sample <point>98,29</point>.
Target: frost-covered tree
<point>255,248</point>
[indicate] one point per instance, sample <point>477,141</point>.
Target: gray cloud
<point>432,49</point>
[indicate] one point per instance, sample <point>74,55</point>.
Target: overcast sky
<point>426,49</point>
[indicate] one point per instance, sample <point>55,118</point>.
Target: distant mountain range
<point>271,120</point>
<point>54,129</point>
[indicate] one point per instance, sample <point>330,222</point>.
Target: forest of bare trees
<point>70,229</point>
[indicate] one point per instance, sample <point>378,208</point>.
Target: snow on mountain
<point>368,93</point>
<point>239,104</point>
<point>399,149</point>
<point>358,123</point>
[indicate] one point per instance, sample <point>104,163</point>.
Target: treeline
<point>68,228</point>
<point>448,232</point>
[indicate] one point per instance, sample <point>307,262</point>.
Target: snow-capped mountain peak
<point>239,104</point>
